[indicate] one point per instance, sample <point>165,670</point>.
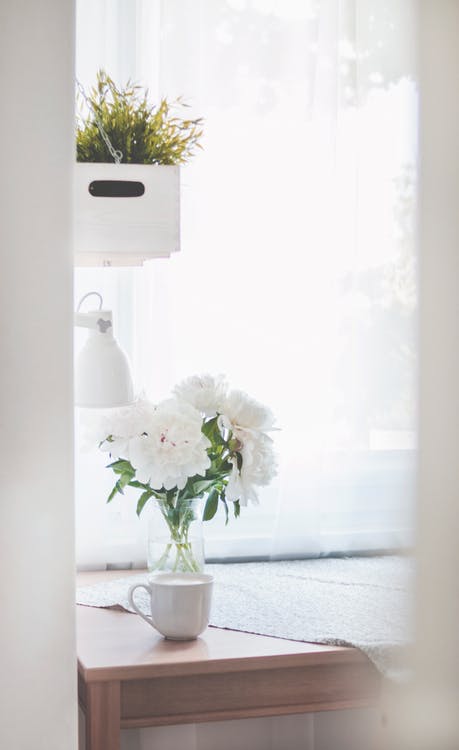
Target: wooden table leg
<point>103,716</point>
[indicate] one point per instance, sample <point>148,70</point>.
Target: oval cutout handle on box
<point>116,189</point>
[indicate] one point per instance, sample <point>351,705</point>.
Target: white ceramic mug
<point>180,604</point>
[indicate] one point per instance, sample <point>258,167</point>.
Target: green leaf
<point>112,493</point>
<point>222,498</point>
<point>211,505</point>
<point>143,499</point>
<point>122,467</point>
<point>212,431</point>
<point>237,509</point>
<point>202,486</point>
<point>208,427</point>
<point>122,482</point>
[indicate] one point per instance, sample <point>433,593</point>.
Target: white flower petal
<point>174,448</point>
<point>205,392</point>
<point>246,412</point>
<point>140,451</point>
<point>258,468</point>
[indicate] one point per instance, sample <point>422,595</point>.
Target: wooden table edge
<point>328,655</point>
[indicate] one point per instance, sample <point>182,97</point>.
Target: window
<point>297,276</point>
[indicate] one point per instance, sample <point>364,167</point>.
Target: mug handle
<point>134,605</point>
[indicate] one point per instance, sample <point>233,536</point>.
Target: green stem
<point>164,556</point>
<point>180,538</point>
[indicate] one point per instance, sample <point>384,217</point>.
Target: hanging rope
<point>116,155</point>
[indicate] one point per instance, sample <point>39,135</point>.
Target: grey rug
<point>359,601</point>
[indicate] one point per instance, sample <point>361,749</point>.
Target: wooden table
<point>129,676</point>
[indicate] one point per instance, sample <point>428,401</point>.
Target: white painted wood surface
<point>127,231</point>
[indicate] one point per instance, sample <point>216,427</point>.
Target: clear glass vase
<point>175,541</point>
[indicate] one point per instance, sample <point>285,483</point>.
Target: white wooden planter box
<point>113,228</point>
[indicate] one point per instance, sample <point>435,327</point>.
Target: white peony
<point>174,448</point>
<point>245,412</point>
<point>205,392</point>
<point>121,425</point>
<point>259,466</point>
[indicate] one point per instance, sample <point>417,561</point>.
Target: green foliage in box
<point>143,133</point>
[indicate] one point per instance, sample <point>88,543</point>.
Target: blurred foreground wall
<point>429,714</point>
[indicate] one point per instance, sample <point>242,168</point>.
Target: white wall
<point>352,729</point>
<point>329,730</point>
<point>427,717</point>
<point>438,559</point>
<point>37,677</point>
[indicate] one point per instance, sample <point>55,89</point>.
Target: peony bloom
<point>174,448</point>
<point>247,413</point>
<point>121,425</point>
<point>259,466</point>
<point>166,450</point>
<point>205,392</point>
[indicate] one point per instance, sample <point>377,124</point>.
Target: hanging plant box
<point>126,213</point>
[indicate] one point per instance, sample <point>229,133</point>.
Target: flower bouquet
<point>205,443</point>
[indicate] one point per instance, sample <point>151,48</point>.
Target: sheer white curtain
<point>297,276</point>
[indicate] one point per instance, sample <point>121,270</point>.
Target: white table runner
<point>360,601</point>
